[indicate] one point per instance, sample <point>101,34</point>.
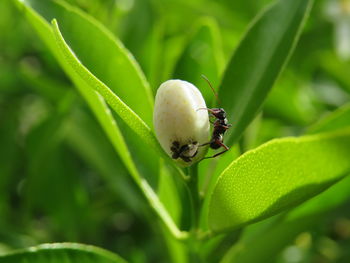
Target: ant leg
<point>210,110</point>
<point>215,155</point>
<point>222,145</point>
<point>205,143</point>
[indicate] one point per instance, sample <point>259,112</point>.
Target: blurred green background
<point>58,177</point>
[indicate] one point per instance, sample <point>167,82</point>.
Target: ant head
<point>219,113</point>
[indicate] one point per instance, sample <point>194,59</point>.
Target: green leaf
<point>152,55</point>
<point>335,120</point>
<point>102,53</point>
<point>62,252</point>
<point>202,55</point>
<point>336,68</point>
<point>276,176</point>
<point>167,192</point>
<point>331,198</point>
<point>258,60</point>
<point>269,238</point>
<point>96,103</point>
<point>268,241</point>
<point>338,193</point>
<point>86,138</point>
<point>290,101</point>
<point>86,83</point>
<point>125,113</point>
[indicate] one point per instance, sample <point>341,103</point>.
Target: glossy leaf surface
<point>276,176</point>
<point>333,121</point>
<point>62,252</point>
<point>102,53</point>
<point>125,113</point>
<point>258,60</point>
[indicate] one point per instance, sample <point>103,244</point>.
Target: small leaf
<point>258,60</point>
<point>102,53</point>
<point>202,55</point>
<point>331,198</point>
<point>94,100</point>
<point>290,101</point>
<point>335,120</point>
<point>125,113</point>
<point>276,176</point>
<point>85,137</point>
<point>62,252</point>
<point>267,241</point>
<point>336,68</point>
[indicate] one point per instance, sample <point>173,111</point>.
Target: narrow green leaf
<point>336,68</point>
<point>167,192</point>
<point>335,120</point>
<point>276,176</point>
<point>258,60</point>
<point>62,252</point>
<point>266,244</point>
<point>202,55</point>
<point>331,198</point>
<point>290,101</point>
<point>102,53</point>
<point>86,138</point>
<point>152,53</point>
<point>100,109</point>
<point>125,113</point>
<point>94,100</point>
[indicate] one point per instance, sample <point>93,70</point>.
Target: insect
<point>185,152</point>
<point>221,125</point>
<point>179,128</point>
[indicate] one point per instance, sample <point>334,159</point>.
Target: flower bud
<point>180,124</point>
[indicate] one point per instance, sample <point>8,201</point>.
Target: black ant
<point>185,152</point>
<point>220,126</point>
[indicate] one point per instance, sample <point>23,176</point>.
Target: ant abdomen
<point>214,145</point>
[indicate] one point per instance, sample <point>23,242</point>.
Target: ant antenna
<point>207,80</point>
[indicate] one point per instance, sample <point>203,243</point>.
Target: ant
<point>220,126</point>
<point>185,152</point>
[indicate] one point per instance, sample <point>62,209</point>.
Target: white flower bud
<point>179,124</point>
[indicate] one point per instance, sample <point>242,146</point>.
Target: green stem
<point>193,187</point>
<point>192,184</point>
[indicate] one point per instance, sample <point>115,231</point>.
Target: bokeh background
<point>57,168</point>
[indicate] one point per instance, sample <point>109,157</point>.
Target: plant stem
<point>163,214</point>
<point>193,186</point>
